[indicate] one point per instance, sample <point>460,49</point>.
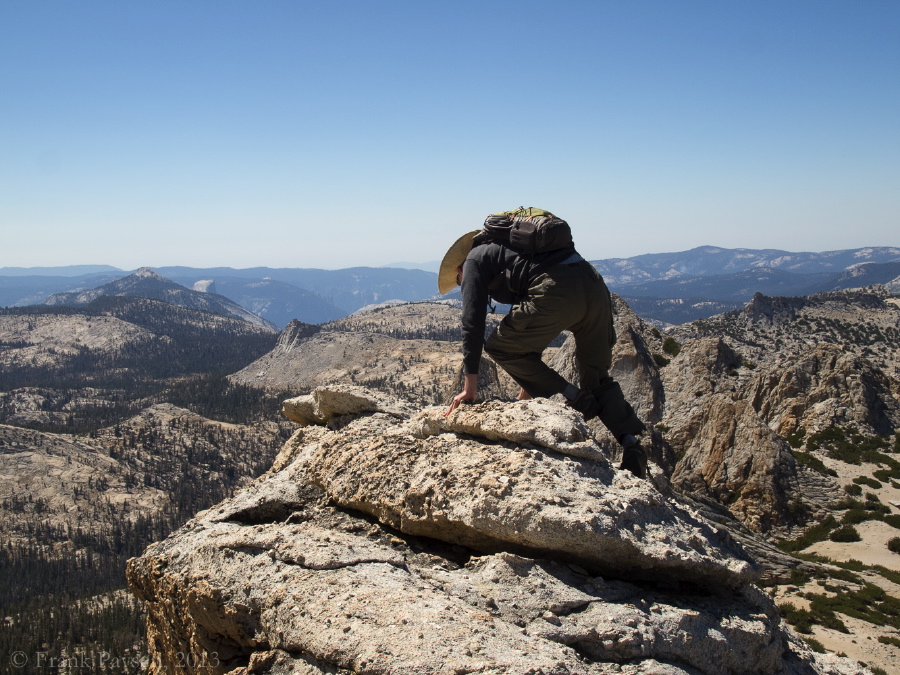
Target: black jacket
<point>485,275</point>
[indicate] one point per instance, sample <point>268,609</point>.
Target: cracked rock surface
<point>495,541</point>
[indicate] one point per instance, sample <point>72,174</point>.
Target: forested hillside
<point>117,424</point>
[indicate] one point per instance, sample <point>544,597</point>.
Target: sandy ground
<point>861,644</point>
<point>872,550</point>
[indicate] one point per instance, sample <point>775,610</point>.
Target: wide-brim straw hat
<point>454,258</point>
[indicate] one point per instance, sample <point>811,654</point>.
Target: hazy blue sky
<point>343,133</point>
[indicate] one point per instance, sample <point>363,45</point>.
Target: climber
<point>550,288</point>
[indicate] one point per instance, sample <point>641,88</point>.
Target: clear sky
<point>292,133</point>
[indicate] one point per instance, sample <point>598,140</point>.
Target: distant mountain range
<point>60,271</point>
<point>667,288</point>
<point>145,283</point>
<point>707,261</point>
<point>276,295</point>
<point>310,295</point>
<point>674,288</point>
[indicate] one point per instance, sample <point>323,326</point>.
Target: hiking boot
<point>586,404</point>
<point>634,459</point>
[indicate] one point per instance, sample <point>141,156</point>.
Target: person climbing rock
<point>526,258</point>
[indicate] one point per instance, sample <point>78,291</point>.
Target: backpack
<point>541,240</point>
<point>527,230</point>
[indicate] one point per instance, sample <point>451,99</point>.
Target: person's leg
<point>594,333</point>
<point>517,344</point>
<point>595,336</point>
<point>616,413</point>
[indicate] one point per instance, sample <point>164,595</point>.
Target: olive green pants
<point>566,297</point>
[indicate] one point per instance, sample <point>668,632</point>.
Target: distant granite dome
<point>205,286</point>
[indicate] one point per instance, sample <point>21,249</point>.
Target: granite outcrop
<point>496,540</point>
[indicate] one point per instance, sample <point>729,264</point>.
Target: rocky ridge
<point>65,368</point>
<point>746,383</point>
<point>407,350</point>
